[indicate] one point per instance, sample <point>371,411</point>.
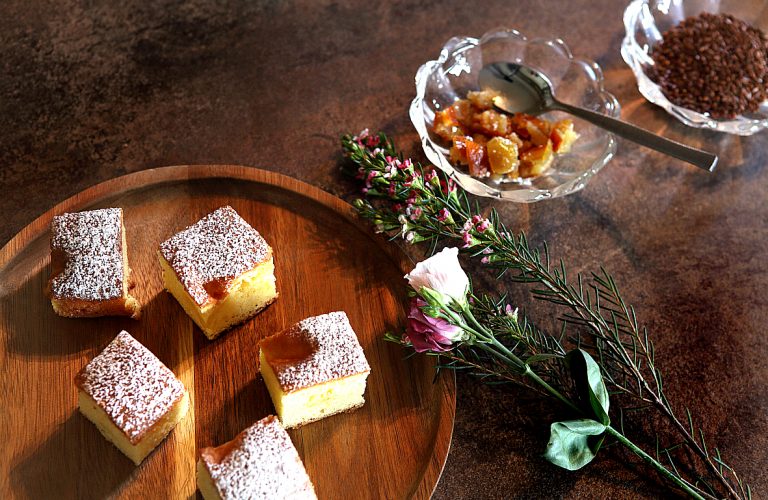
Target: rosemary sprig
<point>416,204</point>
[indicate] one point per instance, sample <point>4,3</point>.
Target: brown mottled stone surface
<point>90,91</point>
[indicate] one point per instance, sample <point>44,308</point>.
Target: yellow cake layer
<point>205,482</point>
<point>113,434</point>
<point>306,405</point>
<point>247,294</point>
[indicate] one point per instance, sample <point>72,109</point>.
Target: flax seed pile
<point>713,63</point>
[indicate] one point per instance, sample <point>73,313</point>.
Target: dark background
<point>94,90</point>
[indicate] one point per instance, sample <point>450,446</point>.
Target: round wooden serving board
<point>393,447</point>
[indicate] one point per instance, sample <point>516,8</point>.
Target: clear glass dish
<point>576,81</point>
<point>645,22</point>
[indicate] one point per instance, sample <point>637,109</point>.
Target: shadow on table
<point>34,330</point>
<point>250,404</point>
<point>74,462</point>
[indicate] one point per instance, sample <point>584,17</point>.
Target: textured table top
<point>89,92</point>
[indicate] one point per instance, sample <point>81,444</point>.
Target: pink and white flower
<point>443,274</point>
<point>426,333</point>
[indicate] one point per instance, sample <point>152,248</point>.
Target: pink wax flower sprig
<point>418,204</point>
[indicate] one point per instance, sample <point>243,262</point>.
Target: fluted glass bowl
<point>646,21</point>
<point>576,81</point>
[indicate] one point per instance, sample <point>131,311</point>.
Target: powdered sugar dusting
<point>91,243</point>
<point>262,463</point>
<point>219,247</point>
<point>131,385</point>
<point>336,352</point>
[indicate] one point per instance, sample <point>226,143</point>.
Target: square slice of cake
<point>314,369</point>
<point>131,396</point>
<point>220,270</point>
<point>260,462</point>
<point>89,265</point>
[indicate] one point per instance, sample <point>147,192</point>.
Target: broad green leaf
<point>574,443</point>
<point>589,383</point>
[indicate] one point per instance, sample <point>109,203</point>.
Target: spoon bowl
<point>522,89</point>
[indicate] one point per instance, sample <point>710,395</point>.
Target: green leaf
<point>589,383</point>
<point>573,444</point>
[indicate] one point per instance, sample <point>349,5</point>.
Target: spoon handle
<point>701,159</point>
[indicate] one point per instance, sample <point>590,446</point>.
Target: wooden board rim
<point>179,173</point>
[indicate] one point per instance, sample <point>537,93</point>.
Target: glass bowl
<point>646,20</point>
<point>576,81</point>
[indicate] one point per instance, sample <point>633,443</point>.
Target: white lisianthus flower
<point>443,274</point>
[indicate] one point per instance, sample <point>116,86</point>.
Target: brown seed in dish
<point>713,63</point>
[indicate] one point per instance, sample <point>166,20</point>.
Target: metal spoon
<point>525,90</point>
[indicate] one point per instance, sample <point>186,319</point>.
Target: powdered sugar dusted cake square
<point>260,462</point>
<point>314,369</point>
<point>131,396</point>
<point>220,270</point>
<point>89,265</point>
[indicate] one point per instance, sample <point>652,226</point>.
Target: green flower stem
<point>486,335</point>
<point>526,370</point>
<point>524,367</point>
<point>533,376</point>
<point>687,487</point>
<point>457,321</point>
<point>471,317</point>
<point>488,347</point>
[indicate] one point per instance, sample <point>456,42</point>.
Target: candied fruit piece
<point>463,112</point>
<point>516,139</point>
<point>483,99</point>
<point>477,159</point>
<point>538,131</point>
<point>479,138</point>
<point>536,160</point>
<point>467,152</point>
<point>458,152</point>
<point>502,156</point>
<point>446,125</point>
<point>543,125</point>
<point>493,123</point>
<point>563,136</point>
<point>518,124</point>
